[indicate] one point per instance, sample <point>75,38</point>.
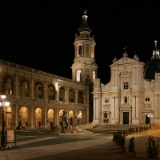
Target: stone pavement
<point>98,148</point>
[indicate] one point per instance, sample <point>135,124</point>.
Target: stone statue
<point>64,123</point>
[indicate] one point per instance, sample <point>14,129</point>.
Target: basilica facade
<point>133,94</point>
<point>38,98</point>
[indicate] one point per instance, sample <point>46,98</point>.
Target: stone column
<point>45,117</point>
<point>87,115</point>
<point>112,108</point>
<point>94,108</point>
<point>1,81</point>
<point>16,86</point>
<point>116,108</point>
<point>32,117</point>
<point>67,95</point>
<point>76,96</point>
<point>57,117</point>
<point>45,91</point>
<point>84,117</point>
<point>136,107</point>
<point>16,116</point>
<point>75,121</point>
<point>57,98</point>
<point>133,107</point>
<point>32,88</point>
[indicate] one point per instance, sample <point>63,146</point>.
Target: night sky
<point>40,35</point>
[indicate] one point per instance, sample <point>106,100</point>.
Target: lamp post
<point>3,104</point>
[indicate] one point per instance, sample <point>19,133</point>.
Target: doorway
<point>147,120</point>
<point>125,117</point>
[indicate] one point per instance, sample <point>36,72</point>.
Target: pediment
<point>124,60</point>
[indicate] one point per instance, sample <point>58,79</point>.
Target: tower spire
<point>155,51</point>
<point>84,26</point>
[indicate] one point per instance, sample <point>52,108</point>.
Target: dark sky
<point>41,34</point>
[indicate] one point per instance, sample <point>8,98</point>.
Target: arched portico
<point>23,116</point>
<point>50,117</point>
<point>38,118</point>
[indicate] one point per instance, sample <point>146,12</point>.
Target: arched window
<point>80,97</point>
<point>125,99</point>
<point>78,76</point>
<point>39,90</point>
<point>92,52</point>
<point>61,94</point>
<point>71,96</point>
<point>126,85</point>
<point>51,92</point>
<point>7,86</point>
<point>80,50</point>
<point>24,88</point>
<point>94,75</point>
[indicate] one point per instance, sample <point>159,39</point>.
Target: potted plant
<point>131,151</point>
<point>123,148</point>
<point>119,135</point>
<point>126,132</point>
<point>113,137</point>
<point>123,132</point>
<point>152,148</point>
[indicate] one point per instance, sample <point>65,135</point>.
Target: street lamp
<point>3,104</point>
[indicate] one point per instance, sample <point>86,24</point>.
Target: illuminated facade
<point>133,94</point>
<point>38,98</point>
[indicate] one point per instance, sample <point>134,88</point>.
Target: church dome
<point>150,68</point>
<point>153,66</point>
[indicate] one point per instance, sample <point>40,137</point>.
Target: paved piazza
<point>93,145</point>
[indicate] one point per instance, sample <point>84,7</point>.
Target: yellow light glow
<point>3,96</point>
<point>7,104</point>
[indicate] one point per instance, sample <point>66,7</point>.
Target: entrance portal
<point>147,120</point>
<point>125,117</point>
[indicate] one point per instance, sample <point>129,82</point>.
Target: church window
<point>125,99</point>
<point>78,76</point>
<point>92,52</point>
<point>106,100</point>
<point>80,50</point>
<point>147,99</point>
<point>126,85</point>
<point>87,50</point>
<point>105,115</point>
<point>94,75</point>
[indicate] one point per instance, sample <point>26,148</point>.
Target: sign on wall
<point>10,136</point>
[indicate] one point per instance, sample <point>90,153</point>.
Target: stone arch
<point>50,116</point>
<point>7,85</point>
<point>61,93</point>
<point>24,88</point>
<point>71,95</point>
<point>8,117</point>
<point>23,116</point>
<point>79,117</point>
<point>71,117</point>
<point>38,90</point>
<point>71,113</point>
<point>60,115</point>
<point>51,92</point>
<point>38,118</point>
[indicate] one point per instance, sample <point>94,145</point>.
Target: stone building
<point>133,94</point>
<point>38,98</point>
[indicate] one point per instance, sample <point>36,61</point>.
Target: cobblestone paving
<point>51,146</point>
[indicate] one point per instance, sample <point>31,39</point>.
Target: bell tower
<point>84,68</point>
